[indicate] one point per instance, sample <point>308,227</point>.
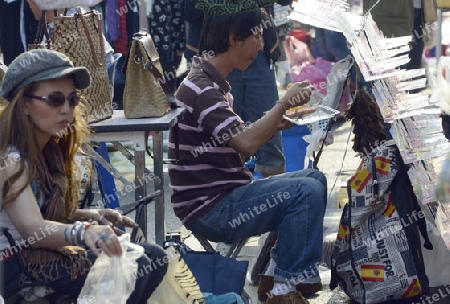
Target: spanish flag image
<point>360,179</point>
<point>413,290</point>
<point>343,232</point>
<point>382,164</point>
<point>390,208</point>
<point>372,273</point>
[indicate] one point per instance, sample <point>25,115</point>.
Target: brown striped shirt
<point>208,169</point>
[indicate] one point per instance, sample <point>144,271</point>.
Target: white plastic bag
<point>54,4</point>
<point>111,280</point>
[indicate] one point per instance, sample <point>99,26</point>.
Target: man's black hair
<point>217,29</point>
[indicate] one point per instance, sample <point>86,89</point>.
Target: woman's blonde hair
<point>17,132</point>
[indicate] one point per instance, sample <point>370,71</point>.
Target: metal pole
<point>439,36</point>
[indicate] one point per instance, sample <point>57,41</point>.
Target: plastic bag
<point>315,71</point>
<point>112,280</point>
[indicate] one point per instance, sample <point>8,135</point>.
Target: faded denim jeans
<point>293,203</point>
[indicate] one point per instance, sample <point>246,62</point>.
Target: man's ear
<point>232,39</point>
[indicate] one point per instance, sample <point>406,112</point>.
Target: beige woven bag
<point>443,3</point>
<point>80,37</point>
<point>146,92</point>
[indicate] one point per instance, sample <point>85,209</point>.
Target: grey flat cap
<point>39,65</point>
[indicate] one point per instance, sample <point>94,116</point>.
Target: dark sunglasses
<point>57,99</point>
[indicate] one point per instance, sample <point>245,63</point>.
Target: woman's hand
<point>114,218</point>
<point>103,237</point>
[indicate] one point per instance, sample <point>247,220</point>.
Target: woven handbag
<point>443,3</point>
<point>80,37</point>
<point>146,92</point>
<point>429,10</point>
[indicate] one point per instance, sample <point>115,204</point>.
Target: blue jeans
<point>255,92</point>
<point>148,278</point>
<point>293,203</point>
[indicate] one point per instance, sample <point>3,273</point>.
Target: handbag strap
<point>158,76</point>
<point>98,62</point>
<point>42,29</point>
<point>168,91</point>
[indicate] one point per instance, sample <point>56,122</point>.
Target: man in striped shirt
<point>213,193</point>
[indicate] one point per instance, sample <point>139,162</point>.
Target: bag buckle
<point>139,59</point>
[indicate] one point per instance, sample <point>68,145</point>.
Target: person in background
<point>166,26</point>
<point>283,27</point>
<point>255,91</point>
<point>401,18</point>
<point>18,28</point>
<point>214,195</point>
<point>194,21</point>
<point>40,186</point>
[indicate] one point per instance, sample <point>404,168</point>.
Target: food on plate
<point>299,111</point>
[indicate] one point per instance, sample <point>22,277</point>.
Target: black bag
<point>214,273</point>
<point>272,47</point>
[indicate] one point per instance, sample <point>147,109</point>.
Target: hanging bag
<point>443,3</point>
<point>41,32</point>
<point>80,37</point>
<point>146,92</point>
<point>429,10</point>
<point>377,255</point>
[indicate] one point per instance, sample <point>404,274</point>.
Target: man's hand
<point>285,124</point>
<point>298,94</point>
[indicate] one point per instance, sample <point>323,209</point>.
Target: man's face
<point>248,49</point>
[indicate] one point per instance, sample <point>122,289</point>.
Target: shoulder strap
<point>159,77</point>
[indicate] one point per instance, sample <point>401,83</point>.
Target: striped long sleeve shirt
<point>208,169</point>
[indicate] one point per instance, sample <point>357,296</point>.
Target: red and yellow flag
<point>382,164</point>
<point>390,208</point>
<point>413,290</point>
<point>343,231</point>
<point>360,179</point>
<point>372,273</point>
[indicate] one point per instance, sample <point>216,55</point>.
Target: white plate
<point>322,112</point>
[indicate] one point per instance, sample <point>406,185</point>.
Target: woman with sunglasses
<point>48,239</point>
